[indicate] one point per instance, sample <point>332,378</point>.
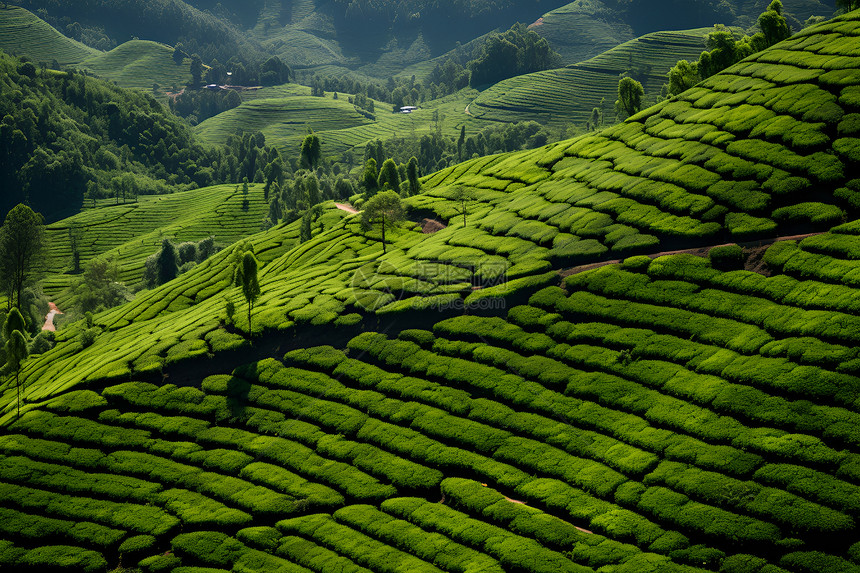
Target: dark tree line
<point>66,138</point>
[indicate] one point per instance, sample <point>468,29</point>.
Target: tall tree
<point>21,242</point>
<point>246,277</point>
<point>630,94</point>
<point>773,24</point>
<point>166,265</point>
<point>389,178</point>
<point>384,209</point>
<point>196,70</point>
<point>311,151</point>
<point>848,5</point>
<point>412,176</point>
<point>370,178</point>
<point>16,347</point>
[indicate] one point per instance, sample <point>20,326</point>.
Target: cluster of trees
<point>166,264</point>
<point>512,53</point>
<point>199,105</point>
<point>65,137</point>
<point>725,50</point>
<point>21,242</point>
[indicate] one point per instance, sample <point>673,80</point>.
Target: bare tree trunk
<point>250,332</point>
<point>383,234</point>
<point>18,385</point>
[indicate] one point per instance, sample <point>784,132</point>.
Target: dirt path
<point>698,251</point>
<point>49,318</point>
<point>347,207</point>
<point>467,111</point>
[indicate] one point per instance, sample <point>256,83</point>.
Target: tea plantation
<point>655,416</point>
<point>130,232</point>
<point>23,33</point>
<point>454,404</point>
<point>568,95</point>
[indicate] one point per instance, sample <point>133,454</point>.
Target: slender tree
<point>370,178</point>
<point>16,347</point>
<point>21,242</point>
<point>384,209</point>
<point>311,151</point>
<point>848,5</point>
<point>246,277</point>
<point>166,265</point>
<point>412,176</point>
<point>463,195</point>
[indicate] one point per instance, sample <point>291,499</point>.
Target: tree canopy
<point>630,94</point>
<point>246,278</point>
<point>21,243</point>
<point>384,209</point>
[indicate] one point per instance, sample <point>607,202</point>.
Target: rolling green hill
<point>569,94</point>
<point>138,64</point>
<point>285,113</point>
<point>22,33</point>
<point>654,416</point>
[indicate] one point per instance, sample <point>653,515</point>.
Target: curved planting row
<point>656,416</point>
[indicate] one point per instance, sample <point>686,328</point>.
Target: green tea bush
<point>64,557</point>
<point>208,547</point>
<point>728,257</point>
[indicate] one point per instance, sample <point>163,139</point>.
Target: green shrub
<point>728,257</point>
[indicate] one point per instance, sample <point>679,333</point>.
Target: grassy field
<point>567,95</point>
<point>659,415</point>
<point>139,64</point>
<point>22,33</point>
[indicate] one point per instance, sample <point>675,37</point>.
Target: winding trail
<point>347,207</point>
<point>49,318</point>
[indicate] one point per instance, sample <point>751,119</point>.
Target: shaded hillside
<point>583,29</point>
<point>568,95</point>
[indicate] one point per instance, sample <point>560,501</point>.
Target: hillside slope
<point>138,64</point>
<point>567,95</point>
<point>22,33</point>
<point>732,159</point>
<point>656,416</point>
<point>130,232</point>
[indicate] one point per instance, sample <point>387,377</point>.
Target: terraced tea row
<point>658,416</point>
<point>568,95</point>
<point>131,232</point>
